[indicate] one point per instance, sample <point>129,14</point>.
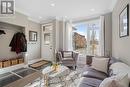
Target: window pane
<point>80,38</point>
<point>86,38</point>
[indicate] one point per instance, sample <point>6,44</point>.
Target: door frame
<point>53,41</point>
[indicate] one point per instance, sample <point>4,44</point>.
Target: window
<point>86,38</point>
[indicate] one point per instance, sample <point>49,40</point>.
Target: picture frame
<point>33,36</point>
<point>124,22</point>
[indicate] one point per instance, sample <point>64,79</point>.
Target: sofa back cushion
<point>89,59</point>
<point>100,64</point>
<point>113,60</point>
<point>67,54</point>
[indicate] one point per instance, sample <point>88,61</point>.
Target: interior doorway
<point>47,42</point>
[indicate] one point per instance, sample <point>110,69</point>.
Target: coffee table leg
<point>46,80</point>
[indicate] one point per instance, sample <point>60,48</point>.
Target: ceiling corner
<point>113,3</point>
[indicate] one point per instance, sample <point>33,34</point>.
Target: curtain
<point>102,35</point>
<point>68,36</point>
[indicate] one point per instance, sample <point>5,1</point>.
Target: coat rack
<point>10,59</point>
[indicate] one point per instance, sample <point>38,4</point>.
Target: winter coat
<point>18,43</point>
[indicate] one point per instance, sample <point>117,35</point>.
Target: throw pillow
<point>67,54</point>
<point>100,64</point>
<point>116,81</point>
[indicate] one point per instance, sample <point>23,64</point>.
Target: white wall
<point>33,49</point>
<point>120,46</point>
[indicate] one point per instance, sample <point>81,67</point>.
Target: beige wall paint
<point>108,34</point>
<point>61,35</point>
<point>120,46</point>
<point>34,48</point>
<point>5,39</point>
<point>22,20</point>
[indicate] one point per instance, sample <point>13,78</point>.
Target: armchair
<point>68,58</point>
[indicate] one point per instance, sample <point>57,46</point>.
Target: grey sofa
<point>68,60</point>
<point>92,77</point>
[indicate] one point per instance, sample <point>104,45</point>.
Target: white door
<point>47,42</point>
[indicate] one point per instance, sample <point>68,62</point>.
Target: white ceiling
<point>71,9</point>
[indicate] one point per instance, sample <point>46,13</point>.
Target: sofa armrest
<point>59,54</point>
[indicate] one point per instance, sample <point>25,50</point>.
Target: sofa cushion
<point>89,58</point>
<point>116,81</point>
<point>67,59</point>
<point>94,74</point>
<point>89,82</point>
<point>113,60</point>
<point>100,64</point>
<point>67,54</point>
<point>69,63</point>
<point>120,67</point>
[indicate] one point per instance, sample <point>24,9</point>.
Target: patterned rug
<point>70,80</point>
<point>73,78</point>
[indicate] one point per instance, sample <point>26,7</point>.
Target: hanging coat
<point>18,43</point>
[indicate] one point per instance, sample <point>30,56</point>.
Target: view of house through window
<point>86,38</point>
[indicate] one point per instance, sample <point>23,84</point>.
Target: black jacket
<point>19,43</point>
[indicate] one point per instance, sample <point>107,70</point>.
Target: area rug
<point>71,80</point>
<point>40,64</point>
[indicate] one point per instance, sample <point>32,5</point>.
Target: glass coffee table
<point>55,78</point>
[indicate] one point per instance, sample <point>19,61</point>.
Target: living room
<point>64,43</point>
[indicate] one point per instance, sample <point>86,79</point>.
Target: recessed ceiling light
<point>40,17</point>
<point>52,4</point>
<point>92,9</point>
